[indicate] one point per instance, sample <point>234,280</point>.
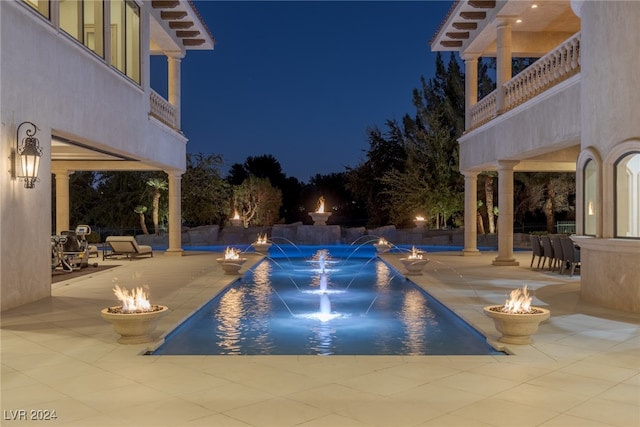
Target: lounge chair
<point>124,246</point>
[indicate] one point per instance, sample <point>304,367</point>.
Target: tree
<point>266,166</point>
<point>365,182</point>
<point>205,195</point>
<point>549,193</point>
<point>119,193</point>
<point>157,185</point>
<point>257,201</point>
<point>140,210</point>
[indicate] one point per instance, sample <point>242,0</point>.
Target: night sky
<point>302,80</point>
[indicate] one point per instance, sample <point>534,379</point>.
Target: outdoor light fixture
<point>28,152</point>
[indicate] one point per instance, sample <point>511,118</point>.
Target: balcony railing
<point>162,110</point>
<point>556,66</point>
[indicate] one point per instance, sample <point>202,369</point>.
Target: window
<point>42,6</point>
<point>627,193</point>
<point>84,21</point>
<point>125,47</point>
<point>590,197</point>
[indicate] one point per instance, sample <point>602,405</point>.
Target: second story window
<point>125,38</point>
<point>42,6</point>
<point>84,21</point>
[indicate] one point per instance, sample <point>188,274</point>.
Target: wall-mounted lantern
<point>28,153</point>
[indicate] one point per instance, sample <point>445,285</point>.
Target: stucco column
<point>470,213</point>
<point>503,59</point>
<point>505,214</point>
<point>175,214</point>
<point>62,200</point>
<point>174,60</point>
<point>470,86</point>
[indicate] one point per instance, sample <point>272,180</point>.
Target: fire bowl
<point>414,266</point>
<point>319,218</point>
<point>382,247</point>
<point>261,247</point>
<point>231,266</point>
<point>134,328</point>
<point>516,328</point>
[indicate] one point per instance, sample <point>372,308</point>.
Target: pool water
<point>311,305</point>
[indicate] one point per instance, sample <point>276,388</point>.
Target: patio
<point>57,354</point>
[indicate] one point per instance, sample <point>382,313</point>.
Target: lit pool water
<point>344,302</point>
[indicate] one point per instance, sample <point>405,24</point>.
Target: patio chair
<point>124,246</point>
<point>547,253</point>
<point>571,254</point>
<point>536,249</point>
<point>558,255</point>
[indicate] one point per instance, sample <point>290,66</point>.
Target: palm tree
<point>140,210</point>
<point>157,185</point>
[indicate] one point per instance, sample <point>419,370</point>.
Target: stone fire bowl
<point>261,247</point>
<point>414,266</point>
<point>134,328</point>
<point>231,266</point>
<point>516,328</point>
<point>381,248</point>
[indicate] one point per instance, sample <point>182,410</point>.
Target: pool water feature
<point>323,305</point>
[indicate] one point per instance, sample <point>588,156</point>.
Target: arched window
<point>627,193</point>
<point>590,177</point>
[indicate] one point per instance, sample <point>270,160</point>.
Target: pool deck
<point>583,368</point>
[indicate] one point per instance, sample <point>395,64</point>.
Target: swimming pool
<point>355,304</point>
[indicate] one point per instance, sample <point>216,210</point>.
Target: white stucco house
<point>75,76</point>
<point>575,109</point>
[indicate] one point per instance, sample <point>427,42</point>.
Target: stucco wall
<point>548,123</point>
<point>49,79</point>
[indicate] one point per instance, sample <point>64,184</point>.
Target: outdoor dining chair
<point>558,255</point>
<point>536,249</point>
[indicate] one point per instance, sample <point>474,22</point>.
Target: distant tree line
<point>411,168</point>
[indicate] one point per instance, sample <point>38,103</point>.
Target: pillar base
<point>174,252</point>
<point>506,262</point>
<point>470,252</point>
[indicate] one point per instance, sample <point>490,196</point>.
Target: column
<point>505,214</point>
<point>470,86</point>
<point>174,60</point>
<point>175,214</point>
<point>503,59</point>
<point>470,213</point>
<point>62,200</point>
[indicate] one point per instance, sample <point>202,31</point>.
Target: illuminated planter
<point>516,328</point>
<point>134,328</point>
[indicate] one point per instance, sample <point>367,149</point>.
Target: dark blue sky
<point>303,80</point>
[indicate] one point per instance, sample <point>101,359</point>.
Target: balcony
<point>162,110</point>
<point>553,68</point>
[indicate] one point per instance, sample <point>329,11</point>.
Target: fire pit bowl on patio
<point>231,263</point>
<point>135,327</point>
<point>136,318</point>
<point>517,320</point>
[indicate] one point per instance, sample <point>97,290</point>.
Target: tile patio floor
<point>583,368</point>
